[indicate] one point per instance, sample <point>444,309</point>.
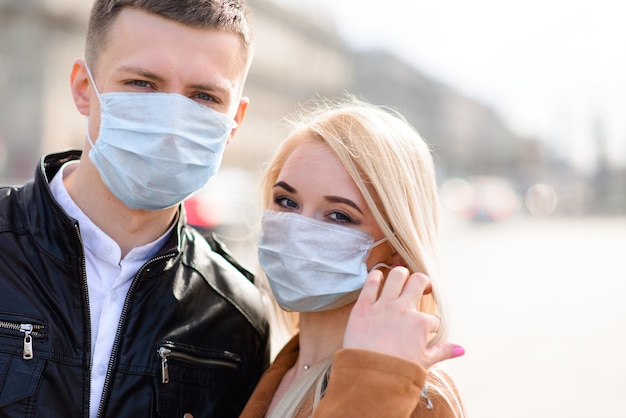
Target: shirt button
<point>113,296</point>
<point>108,249</point>
<point>102,369</point>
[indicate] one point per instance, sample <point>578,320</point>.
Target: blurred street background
<point>524,107</point>
<point>538,305</point>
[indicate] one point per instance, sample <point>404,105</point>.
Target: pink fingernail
<point>458,351</point>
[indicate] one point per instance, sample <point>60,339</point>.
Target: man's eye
<point>141,83</point>
<point>205,97</point>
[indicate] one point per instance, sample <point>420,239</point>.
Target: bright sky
<point>551,68</point>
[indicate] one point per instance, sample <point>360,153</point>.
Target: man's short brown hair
<point>227,15</point>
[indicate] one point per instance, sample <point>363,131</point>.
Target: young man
<point>111,306</point>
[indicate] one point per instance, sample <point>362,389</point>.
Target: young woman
<point>351,213</point>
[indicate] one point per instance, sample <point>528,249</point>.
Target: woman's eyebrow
<point>285,186</point>
<point>337,199</point>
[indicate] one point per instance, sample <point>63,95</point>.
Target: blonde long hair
<point>393,168</point>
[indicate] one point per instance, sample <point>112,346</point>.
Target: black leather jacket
<point>193,336</point>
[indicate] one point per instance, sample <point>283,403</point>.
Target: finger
<point>444,351</point>
<point>396,279</point>
<point>371,287</point>
<point>429,288</point>
<point>434,322</point>
<point>415,288</point>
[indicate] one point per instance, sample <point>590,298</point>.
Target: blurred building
<point>295,59</point>
<point>467,138</point>
<point>38,41</point>
<point>298,56</point>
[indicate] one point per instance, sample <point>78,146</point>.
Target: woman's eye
<point>340,217</point>
<point>286,202</point>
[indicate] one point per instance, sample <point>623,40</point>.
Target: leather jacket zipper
<point>29,331</point>
<point>85,296</point>
<point>116,342</point>
<point>219,358</point>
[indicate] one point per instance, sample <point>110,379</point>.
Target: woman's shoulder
<point>440,397</point>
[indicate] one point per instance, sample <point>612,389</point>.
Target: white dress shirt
<point>108,279</point>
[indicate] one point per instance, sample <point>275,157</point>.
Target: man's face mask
<point>156,149</point>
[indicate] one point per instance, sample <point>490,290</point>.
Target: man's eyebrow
<point>213,87</point>
<point>148,74</point>
<point>337,199</point>
<point>285,186</point>
<point>142,72</point>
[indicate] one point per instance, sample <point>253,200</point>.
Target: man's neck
<point>130,228</point>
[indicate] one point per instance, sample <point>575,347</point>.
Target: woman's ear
<point>396,260</point>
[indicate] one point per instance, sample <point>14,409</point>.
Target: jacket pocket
<point>20,367</point>
<point>191,381</point>
<point>24,328</point>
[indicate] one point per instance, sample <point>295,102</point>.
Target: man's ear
<point>239,115</point>
<point>79,83</point>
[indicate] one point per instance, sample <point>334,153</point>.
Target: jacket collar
<point>50,224</point>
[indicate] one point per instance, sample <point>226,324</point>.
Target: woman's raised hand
<point>386,319</point>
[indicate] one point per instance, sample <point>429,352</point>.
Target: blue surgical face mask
<point>154,150</point>
<point>312,265</point>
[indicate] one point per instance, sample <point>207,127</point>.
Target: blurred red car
<point>480,198</point>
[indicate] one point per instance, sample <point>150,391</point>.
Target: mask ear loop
<point>383,265</point>
<point>93,83</point>
<point>87,130</point>
<point>380,241</point>
<point>380,265</point>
